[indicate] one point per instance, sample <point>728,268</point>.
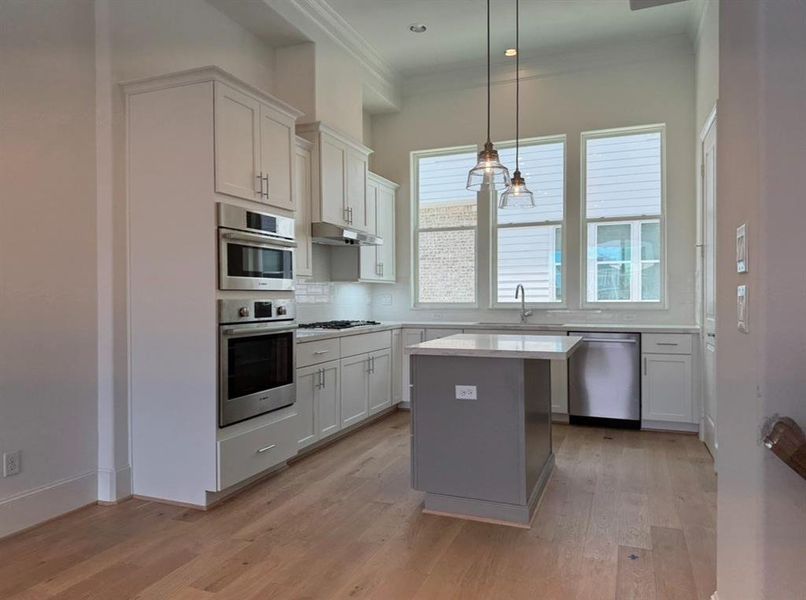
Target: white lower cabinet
<point>380,381</point>
<point>318,402</point>
<point>354,389</point>
<point>667,389</point>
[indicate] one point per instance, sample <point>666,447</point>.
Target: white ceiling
<point>456,28</point>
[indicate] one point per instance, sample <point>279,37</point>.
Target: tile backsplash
<point>321,301</point>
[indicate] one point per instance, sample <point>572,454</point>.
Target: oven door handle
<point>233,331</point>
<point>266,241</point>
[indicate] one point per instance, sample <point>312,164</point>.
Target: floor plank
<point>625,515</point>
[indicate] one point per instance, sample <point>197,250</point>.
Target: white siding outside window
<point>445,219</point>
<point>623,202</point>
<point>528,242</point>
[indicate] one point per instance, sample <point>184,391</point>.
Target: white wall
<point>706,61</point>
<point>609,87</point>
<point>761,528</point>
<point>48,379</point>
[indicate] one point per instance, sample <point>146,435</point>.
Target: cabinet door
<point>397,366</point>
<point>308,381</point>
<point>276,142</point>
<point>237,143</point>
<point>380,384</point>
<point>357,190</point>
<point>354,389</point>
<point>666,388</point>
<point>368,262</point>
<point>410,336</point>
<point>328,399</point>
<point>333,166</point>
<point>386,229</point>
<point>302,193</point>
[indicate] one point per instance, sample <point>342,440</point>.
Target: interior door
<point>276,141</point>
<point>237,146</point>
<point>354,389</point>
<point>709,288</point>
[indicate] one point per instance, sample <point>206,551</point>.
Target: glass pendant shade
<point>517,195</point>
<point>488,172</point>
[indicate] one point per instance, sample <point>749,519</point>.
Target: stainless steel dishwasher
<point>604,380</point>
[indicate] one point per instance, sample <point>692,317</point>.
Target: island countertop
<point>487,345</point>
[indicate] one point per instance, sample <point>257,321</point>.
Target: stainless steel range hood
<point>335,235</point>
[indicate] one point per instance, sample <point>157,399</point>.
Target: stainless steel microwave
<point>255,250</point>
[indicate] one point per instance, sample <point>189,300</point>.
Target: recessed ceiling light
<point>418,28</point>
<point>511,52</point>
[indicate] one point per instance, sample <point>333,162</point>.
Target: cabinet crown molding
<point>320,127</point>
<point>208,73</point>
<point>382,180</point>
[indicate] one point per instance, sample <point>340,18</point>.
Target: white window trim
<point>663,303</point>
<point>494,303</point>
<point>414,203</point>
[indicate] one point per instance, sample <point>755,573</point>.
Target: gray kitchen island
<point>481,423</point>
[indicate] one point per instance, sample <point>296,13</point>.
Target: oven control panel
<point>250,310</point>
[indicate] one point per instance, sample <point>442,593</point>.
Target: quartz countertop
<point>490,345</point>
<point>310,335</point>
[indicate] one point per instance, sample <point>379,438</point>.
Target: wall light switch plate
<point>466,392</point>
<point>741,308</point>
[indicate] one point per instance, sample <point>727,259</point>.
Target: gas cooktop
<point>337,324</point>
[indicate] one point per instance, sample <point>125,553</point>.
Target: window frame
<point>494,227</point>
<point>584,222</point>
<point>414,203</point>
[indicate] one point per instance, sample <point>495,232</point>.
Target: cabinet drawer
<point>666,343</point>
<point>248,454</point>
<point>365,342</point>
<point>311,353</point>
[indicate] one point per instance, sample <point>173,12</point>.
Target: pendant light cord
<point>488,71</point>
<point>517,87</point>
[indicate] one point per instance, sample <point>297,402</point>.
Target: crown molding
<point>341,32</point>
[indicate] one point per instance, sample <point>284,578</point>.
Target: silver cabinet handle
<point>645,367</point>
<point>266,179</point>
<point>610,340</point>
<point>319,352</point>
<point>666,344</point>
<point>266,449</point>
<point>324,381</point>
<point>350,214</point>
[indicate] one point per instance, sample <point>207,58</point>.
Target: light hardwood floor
<point>626,515</point>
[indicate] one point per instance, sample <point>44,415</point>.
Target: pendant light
<point>488,172</point>
<point>517,195</point>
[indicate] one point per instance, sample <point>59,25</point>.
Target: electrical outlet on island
<point>11,463</point>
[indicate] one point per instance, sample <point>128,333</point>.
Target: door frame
<point>708,125</point>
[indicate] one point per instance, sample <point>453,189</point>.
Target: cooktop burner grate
<point>336,324</point>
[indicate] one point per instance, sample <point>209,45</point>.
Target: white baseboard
<point>404,406</point>
<point>670,426</point>
<point>32,507</point>
<point>114,486</point>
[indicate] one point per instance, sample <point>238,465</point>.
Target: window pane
<point>650,241</point>
<point>613,281</point>
<point>650,281</point>
<point>525,256</point>
<point>613,242</point>
<point>543,167</point>
<point>443,199</point>
<point>447,266</point>
<point>558,261</point>
<point>623,175</point>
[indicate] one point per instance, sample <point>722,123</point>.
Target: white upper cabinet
<point>340,168</point>
<point>254,141</point>
<point>237,145</point>
<point>377,263</point>
<point>302,208</point>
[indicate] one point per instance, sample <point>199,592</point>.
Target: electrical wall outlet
<point>11,463</point>
<point>466,392</point>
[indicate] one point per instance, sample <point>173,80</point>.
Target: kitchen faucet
<point>525,314</point>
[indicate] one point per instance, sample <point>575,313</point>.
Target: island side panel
<point>469,448</point>
<point>537,399</point>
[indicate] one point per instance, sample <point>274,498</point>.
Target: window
<point>528,242</point>
<point>445,228</point>
<point>623,199</point>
